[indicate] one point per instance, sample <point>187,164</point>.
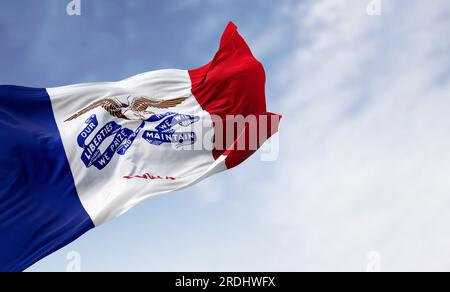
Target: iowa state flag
<point>74,157</point>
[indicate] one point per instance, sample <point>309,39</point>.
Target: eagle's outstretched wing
<point>112,106</point>
<point>142,103</point>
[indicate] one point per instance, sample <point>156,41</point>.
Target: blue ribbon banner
<point>124,137</point>
<point>92,123</point>
<point>91,153</point>
<point>172,119</point>
<point>124,148</point>
<point>164,130</point>
<point>158,138</point>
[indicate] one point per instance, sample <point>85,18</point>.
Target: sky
<point>361,180</point>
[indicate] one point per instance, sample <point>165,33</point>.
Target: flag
<point>75,157</point>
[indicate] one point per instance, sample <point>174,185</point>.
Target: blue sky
<point>364,148</point>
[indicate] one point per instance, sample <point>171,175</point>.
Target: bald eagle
<point>139,106</point>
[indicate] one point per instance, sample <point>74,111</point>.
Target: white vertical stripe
<point>105,194</point>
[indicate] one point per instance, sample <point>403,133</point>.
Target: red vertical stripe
<point>233,83</point>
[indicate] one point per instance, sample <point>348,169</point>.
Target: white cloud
<point>365,148</point>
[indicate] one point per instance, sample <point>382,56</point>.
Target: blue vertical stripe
<point>40,210</point>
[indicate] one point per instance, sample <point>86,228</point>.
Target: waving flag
<point>74,157</point>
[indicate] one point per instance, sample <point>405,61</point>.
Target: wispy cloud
<point>365,147</point>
